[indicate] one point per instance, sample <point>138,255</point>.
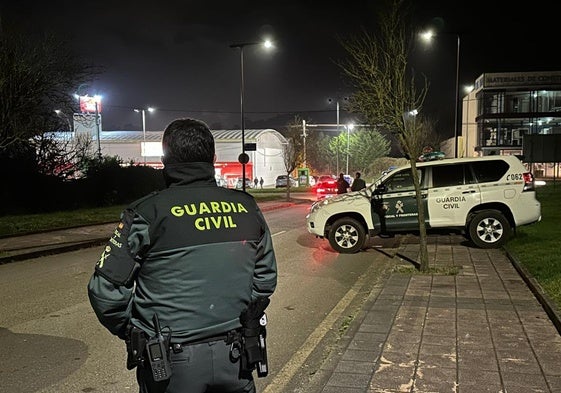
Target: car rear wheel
<point>489,229</point>
<point>347,236</point>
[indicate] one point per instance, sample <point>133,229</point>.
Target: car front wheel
<point>347,236</point>
<point>489,229</point>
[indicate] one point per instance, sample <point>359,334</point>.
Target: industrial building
<point>514,113</point>
<point>144,148</point>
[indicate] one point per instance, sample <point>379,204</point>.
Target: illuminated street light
<point>412,114</point>
<point>62,114</point>
<point>427,37</point>
<point>143,112</point>
<point>244,158</point>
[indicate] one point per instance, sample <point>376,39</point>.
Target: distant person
<point>255,181</point>
<point>358,183</point>
<point>261,182</point>
<point>342,184</point>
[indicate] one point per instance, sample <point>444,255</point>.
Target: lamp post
<point>243,157</point>
<point>457,98</point>
<point>337,135</point>
<point>330,100</point>
<point>427,36</point>
<point>143,112</point>
<point>349,128</point>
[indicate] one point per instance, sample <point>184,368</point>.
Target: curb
<point>53,251</point>
<point>39,231</point>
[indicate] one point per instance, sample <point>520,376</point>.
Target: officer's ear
<point>214,159</point>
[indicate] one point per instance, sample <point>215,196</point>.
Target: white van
<point>485,197</point>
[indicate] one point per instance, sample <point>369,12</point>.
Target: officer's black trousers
<point>200,368</point>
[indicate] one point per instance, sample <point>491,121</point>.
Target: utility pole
<point>337,135</point>
<point>98,130</point>
<point>304,136</point>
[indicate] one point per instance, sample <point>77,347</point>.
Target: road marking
<point>278,233</point>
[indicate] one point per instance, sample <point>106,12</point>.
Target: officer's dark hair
<point>357,175</point>
<point>187,140</point>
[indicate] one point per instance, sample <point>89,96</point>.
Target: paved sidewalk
<point>481,330</point>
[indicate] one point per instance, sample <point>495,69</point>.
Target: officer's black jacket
<point>194,253</point>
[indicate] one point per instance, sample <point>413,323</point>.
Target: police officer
<point>194,254</point>
<point>358,183</point>
<point>342,184</point>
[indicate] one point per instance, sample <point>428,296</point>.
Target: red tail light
<point>528,181</point>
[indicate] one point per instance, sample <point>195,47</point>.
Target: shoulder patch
<point>116,263</point>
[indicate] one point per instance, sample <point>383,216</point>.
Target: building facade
<point>145,148</point>
<point>514,113</point>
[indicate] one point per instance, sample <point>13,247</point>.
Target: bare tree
<point>62,156</point>
<point>37,76</point>
<point>387,92</point>
<point>292,151</point>
<point>289,155</point>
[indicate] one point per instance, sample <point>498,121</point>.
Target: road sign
<point>243,158</point>
<point>250,147</point>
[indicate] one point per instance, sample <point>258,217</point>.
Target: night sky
<point>176,55</point>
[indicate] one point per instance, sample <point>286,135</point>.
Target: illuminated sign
<point>520,79</point>
<point>90,104</point>
<point>250,147</point>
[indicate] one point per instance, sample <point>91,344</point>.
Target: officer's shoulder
<point>145,199</point>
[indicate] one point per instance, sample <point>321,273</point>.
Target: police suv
<point>484,197</point>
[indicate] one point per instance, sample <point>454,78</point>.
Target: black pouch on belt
<point>136,344</point>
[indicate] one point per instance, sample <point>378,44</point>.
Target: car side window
<point>448,175</point>
<point>402,181</point>
<point>488,171</point>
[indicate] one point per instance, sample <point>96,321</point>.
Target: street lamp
<point>243,157</point>
<point>427,36</point>
<point>412,114</point>
<point>62,114</point>
<point>143,112</point>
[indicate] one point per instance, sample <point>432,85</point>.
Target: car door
<point>453,193</point>
<point>399,202</point>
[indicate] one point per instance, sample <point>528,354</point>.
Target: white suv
<point>486,197</point>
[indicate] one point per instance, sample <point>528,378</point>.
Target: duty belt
<point>228,338</point>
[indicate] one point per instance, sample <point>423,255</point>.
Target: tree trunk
<point>423,251</point>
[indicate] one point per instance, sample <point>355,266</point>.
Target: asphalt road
<point>52,341</point>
